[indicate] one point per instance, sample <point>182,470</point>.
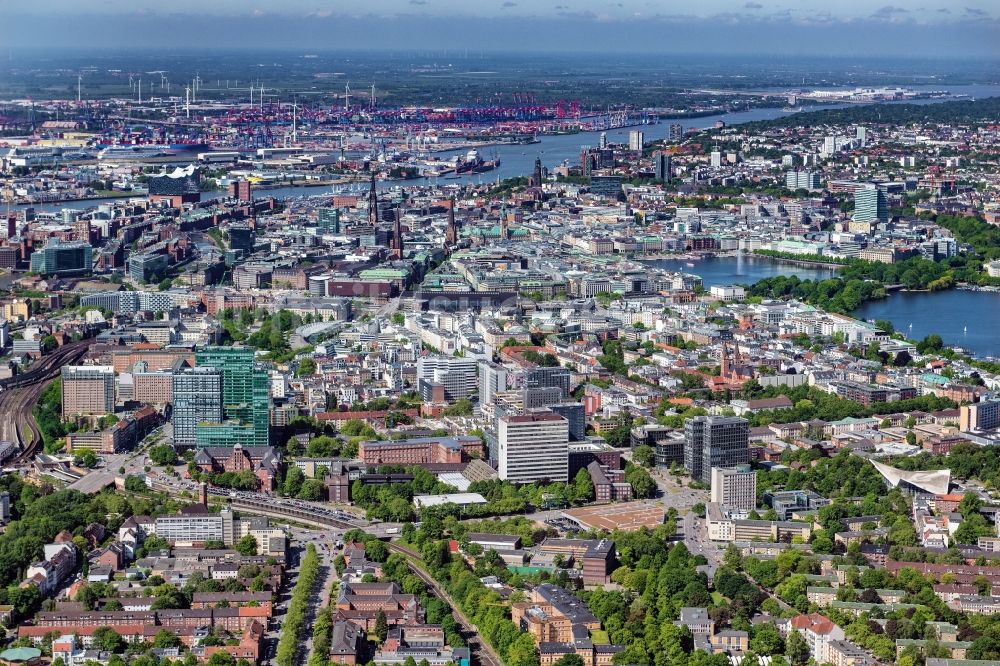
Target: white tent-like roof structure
<point>935,482</point>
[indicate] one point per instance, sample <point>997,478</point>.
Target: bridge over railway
<point>322,518</point>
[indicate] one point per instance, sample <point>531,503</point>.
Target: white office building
<point>533,447</point>
<point>492,380</point>
<point>636,140</point>
<point>735,488</point>
<point>456,375</point>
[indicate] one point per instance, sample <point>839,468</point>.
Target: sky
<point>936,28</point>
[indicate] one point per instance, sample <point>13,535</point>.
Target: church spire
<point>451,234</point>
<point>373,204</point>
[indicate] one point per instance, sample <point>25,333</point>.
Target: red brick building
<point>263,461</point>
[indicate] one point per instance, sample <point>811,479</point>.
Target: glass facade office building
<point>197,398</point>
<point>245,395</point>
<point>715,441</point>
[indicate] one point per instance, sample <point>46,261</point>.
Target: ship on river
<point>473,162</point>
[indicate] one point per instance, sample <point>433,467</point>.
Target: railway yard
<point>21,392</point>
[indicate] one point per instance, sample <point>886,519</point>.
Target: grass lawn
<point>716,598</point>
<point>599,637</point>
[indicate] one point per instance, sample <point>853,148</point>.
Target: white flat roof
<point>461,499</point>
<point>455,479</point>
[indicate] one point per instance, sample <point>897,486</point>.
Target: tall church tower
<point>373,205</point>
<point>451,234</point>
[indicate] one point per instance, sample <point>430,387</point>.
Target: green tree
<point>381,626</point>
<point>583,486</point>
<point>247,545</point>
<point>642,483</point>
<point>522,651</point>
<point>307,367</point>
<point>106,638</point>
<point>312,490</point>
<point>570,660</point>
<point>376,550</point>
<point>294,479</point>
<point>166,639</point>
<point>87,458</point>
<point>222,659</point>
<point>163,454</point>
<point>766,639</point>
<point>322,447</point>
<point>643,455</point>
<point>796,649</point>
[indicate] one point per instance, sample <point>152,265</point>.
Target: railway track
<point>21,393</point>
<point>483,651</point>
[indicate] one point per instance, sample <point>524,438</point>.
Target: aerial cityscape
<point>457,334</point>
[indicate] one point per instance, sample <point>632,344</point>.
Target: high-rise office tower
<point>983,415</point>
<point>830,145</point>
<point>456,375</point>
<point>662,165</point>
<point>715,158</point>
<point>574,413</point>
<point>329,220</point>
<point>806,180</point>
<point>88,390</point>
<point>870,204</point>
<point>636,140</point>
<point>492,379</point>
<point>197,398</point>
<point>714,441</point>
<point>245,390</point>
<point>60,257</point>
<point>548,378</point>
<point>533,447</point>
<point>735,487</point>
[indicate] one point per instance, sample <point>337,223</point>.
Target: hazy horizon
<point>912,28</point>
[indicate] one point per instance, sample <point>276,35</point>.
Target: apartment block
<point>88,390</point>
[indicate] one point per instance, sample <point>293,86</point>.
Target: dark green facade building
<point>245,398</point>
